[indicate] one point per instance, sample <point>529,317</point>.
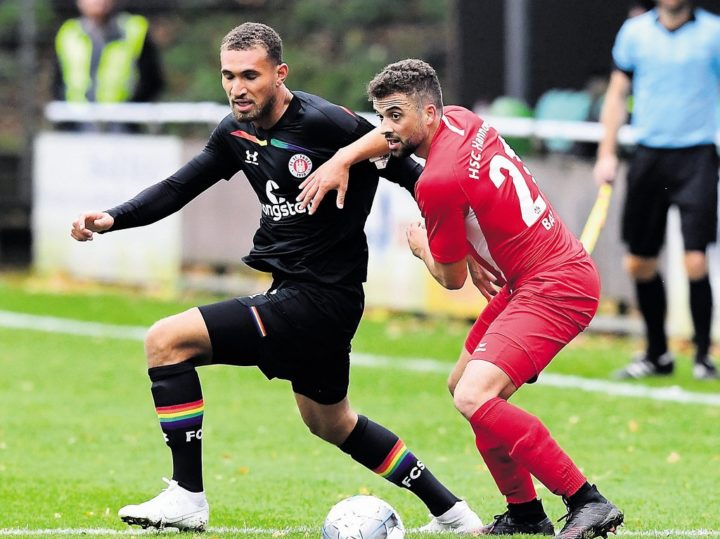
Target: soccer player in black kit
<point>300,330</point>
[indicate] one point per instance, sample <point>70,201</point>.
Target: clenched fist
<point>85,226</point>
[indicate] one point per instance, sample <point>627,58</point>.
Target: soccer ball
<point>362,517</point>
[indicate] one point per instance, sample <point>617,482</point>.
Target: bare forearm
<point>613,118</point>
<point>614,113</point>
<point>371,144</point>
<point>450,276</point>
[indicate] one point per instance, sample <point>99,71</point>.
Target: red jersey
<point>478,198</point>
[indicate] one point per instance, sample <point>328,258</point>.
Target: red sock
<point>513,481</point>
<point>527,442</point>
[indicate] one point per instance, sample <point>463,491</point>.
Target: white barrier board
<point>75,172</point>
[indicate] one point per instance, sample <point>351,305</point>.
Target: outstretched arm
<point>155,202</point>
<point>334,173</point>
<point>451,276</point>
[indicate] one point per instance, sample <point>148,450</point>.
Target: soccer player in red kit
<point>478,199</point>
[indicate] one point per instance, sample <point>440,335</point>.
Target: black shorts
<point>660,178</point>
<point>296,331</point>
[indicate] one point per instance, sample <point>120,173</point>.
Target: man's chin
<point>401,152</point>
<point>244,116</point>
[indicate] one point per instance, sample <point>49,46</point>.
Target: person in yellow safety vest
<point>106,57</point>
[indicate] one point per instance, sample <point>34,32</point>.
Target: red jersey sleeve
<point>444,208</point>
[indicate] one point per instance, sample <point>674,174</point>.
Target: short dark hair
<point>409,77</point>
<point>252,34</point>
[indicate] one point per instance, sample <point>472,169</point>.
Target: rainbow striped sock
<point>397,463</point>
<point>181,416</point>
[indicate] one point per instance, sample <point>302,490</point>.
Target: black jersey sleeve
<point>402,171</point>
<point>164,198</point>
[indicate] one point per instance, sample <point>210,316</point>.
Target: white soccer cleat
<point>174,507</point>
<point>458,519</point>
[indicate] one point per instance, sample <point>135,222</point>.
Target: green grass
<point>79,436</point>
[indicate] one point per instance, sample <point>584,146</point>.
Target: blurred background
<point>533,60</point>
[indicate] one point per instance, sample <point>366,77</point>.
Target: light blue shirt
<point>675,78</point>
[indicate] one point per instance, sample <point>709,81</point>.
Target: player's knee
<point>333,429</point>
<point>323,430</point>
<point>468,401</point>
<point>452,384</point>
<point>160,344</point>
<point>640,268</point>
<point>695,265</point>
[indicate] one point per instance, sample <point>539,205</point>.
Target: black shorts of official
<point>296,331</point>
<point>660,178</point>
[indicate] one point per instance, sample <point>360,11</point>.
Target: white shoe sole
<point>193,522</point>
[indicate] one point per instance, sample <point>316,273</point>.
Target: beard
<point>255,114</point>
<point>406,149</point>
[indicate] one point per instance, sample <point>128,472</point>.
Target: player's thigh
<point>697,195</point>
<point>178,338</point>
<point>644,214</point>
<point>296,331</point>
<point>541,317</point>
<point>491,311</point>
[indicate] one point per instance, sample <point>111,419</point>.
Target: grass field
<point>79,436</point>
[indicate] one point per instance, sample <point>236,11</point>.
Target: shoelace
<point>499,518</point>
<point>572,513</point>
<point>170,485</point>
<point>566,516</point>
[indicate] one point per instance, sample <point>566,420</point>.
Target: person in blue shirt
<point>669,58</point>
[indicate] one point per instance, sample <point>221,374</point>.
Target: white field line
<point>51,324</point>
<point>94,532</point>
<point>279,532</point>
<point>9,319</point>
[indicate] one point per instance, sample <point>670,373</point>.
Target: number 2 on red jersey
<point>503,165</point>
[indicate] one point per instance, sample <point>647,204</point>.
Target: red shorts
<point>521,330</point>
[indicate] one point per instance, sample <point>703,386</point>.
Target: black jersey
<point>328,247</point>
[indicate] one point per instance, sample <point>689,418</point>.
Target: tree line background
<point>333,47</point>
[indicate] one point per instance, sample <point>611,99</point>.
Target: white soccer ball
<point>362,517</point>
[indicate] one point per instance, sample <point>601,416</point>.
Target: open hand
<point>329,176</point>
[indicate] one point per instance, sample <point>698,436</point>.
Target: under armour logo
<point>482,347</point>
<point>251,157</point>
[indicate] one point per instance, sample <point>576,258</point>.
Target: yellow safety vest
<point>117,69</point>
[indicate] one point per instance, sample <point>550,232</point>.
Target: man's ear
<point>282,73</point>
<point>431,113</point>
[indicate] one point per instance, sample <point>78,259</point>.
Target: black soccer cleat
<point>506,524</point>
<point>704,368</point>
<point>642,366</point>
<point>592,519</point>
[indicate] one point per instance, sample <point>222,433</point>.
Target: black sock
<point>701,307</point>
<point>531,511</point>
<point>587,493</point>
<point>378,449</point>
<point>653,306</point>
<point>179,404</point>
